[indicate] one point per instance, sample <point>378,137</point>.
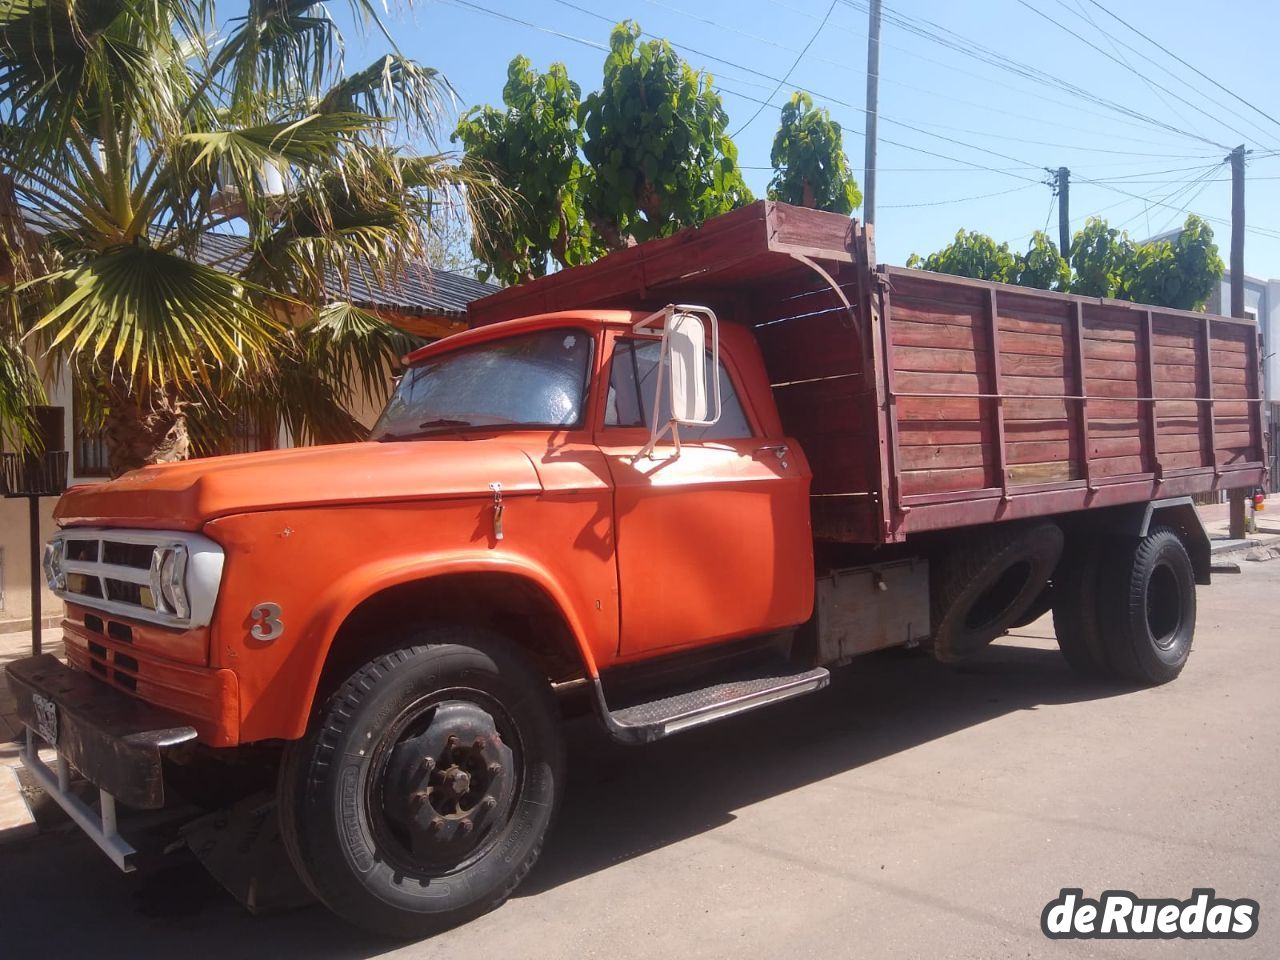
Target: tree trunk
<point>151,428</point>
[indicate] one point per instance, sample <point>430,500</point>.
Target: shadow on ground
<point>60,897</point>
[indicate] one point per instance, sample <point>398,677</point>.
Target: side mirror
<point>683,370</point>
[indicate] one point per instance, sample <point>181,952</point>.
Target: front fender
<point>317,566</point>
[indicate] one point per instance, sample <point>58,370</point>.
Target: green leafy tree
<point>1042,265</point>
<point>1104,262</point>
<point>971,254</point>
<point>132,137</point>
<point>656,142</point>
<point>1181,273</point>
<point>1101,257</point>
<point>809,162</point>
<point>534,147</point>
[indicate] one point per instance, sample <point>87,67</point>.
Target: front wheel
<point>421,797</point>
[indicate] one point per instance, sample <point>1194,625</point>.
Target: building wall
<point>1261,301</point>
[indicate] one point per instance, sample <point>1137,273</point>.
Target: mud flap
<point>242,848</point>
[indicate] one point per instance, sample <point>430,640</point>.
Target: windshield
<point>533,380</point>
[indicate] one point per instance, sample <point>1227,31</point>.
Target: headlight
<point>54,575</point>
<point>169,580</point>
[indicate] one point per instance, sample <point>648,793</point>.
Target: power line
<point>827,97</point>
<point>845,66</point>
<point>965,46</point>
<point>1260,231</point>
<point>791,69</point>
<point>1116,43</point>
<point>1193,69</point>
<point>1182,188</point>
<point>939,203</point>
<point>1114,59</point>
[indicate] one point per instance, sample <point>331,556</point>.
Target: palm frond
<point>393,86</point>
<point>151,317</point>
<point>356,348</point>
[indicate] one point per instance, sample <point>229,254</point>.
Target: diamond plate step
<point>745,690</point>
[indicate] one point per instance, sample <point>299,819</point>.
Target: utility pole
<point>1063,188</point>
<point>1236,159</point>
<point>873,106</point>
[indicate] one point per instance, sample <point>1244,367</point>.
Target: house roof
<point>419,290</point>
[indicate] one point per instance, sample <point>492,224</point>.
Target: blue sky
<point>1160,158</point>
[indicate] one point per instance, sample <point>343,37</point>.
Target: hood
<point>185,495</point>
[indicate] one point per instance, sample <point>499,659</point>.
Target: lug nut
<point>428,764</point>
<point>479,743</point>
<point>495,769</point>
<point>489,803</point>
<point>418,799</point>
<point>451,742</point>
<point>436,823</point>
<point>467,826</point>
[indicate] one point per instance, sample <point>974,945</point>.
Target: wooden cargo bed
<point>926,401</point>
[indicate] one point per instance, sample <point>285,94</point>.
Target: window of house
<point>89,448</point>
<point>631,393</point>
<point>248,434</point>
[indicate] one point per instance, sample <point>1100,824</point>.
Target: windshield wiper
<point>428,427</point>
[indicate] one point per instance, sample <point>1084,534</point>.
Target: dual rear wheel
<point>1126,609</point>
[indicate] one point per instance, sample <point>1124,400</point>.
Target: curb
<point>1262,548</point>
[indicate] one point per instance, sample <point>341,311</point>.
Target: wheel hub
<point>447,788</point>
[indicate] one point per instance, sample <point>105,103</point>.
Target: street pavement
<point>910,810</point>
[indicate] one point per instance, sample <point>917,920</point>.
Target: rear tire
<point>1075,611</point>
<point>1147,603</point>
<point>421,796</point>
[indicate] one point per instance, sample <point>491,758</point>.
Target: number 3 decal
<point>267,624</point>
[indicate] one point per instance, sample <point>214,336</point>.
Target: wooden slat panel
<point>839,463</point>
<point>936,360</point>
<point>936,457</point>
<point>1017,408</point>
<point>824,406</point>
<point>923,433</point>
<point>1039,385</point>
<point>1025,473</point>
<point>821,345</point>
<point>1030,344</point>
<point>938,481</point>
<point>912,333</point>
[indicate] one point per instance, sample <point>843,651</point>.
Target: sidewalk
<point>1217,521</point>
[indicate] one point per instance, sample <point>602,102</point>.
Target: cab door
<point>714,542</point>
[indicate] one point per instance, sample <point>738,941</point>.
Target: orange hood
<point>184,496</point>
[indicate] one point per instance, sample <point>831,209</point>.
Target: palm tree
<point>130,129</point>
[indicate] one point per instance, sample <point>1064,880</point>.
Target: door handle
<point>779,450</point>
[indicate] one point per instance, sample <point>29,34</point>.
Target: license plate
<point>46,718</point>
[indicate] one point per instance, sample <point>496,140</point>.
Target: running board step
<point>745,690</point>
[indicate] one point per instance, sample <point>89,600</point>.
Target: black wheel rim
<point>443,782</point>
<point>1164,606</point>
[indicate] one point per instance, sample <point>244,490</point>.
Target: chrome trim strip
<point>203,573</point>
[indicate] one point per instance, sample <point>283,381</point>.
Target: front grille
<point>121,572</point>
<point>118,571</point>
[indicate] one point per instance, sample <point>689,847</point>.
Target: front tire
<point>423,792</point>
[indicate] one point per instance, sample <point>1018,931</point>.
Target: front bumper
<point>116,742</point>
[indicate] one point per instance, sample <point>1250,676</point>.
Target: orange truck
<point>677,484</point>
